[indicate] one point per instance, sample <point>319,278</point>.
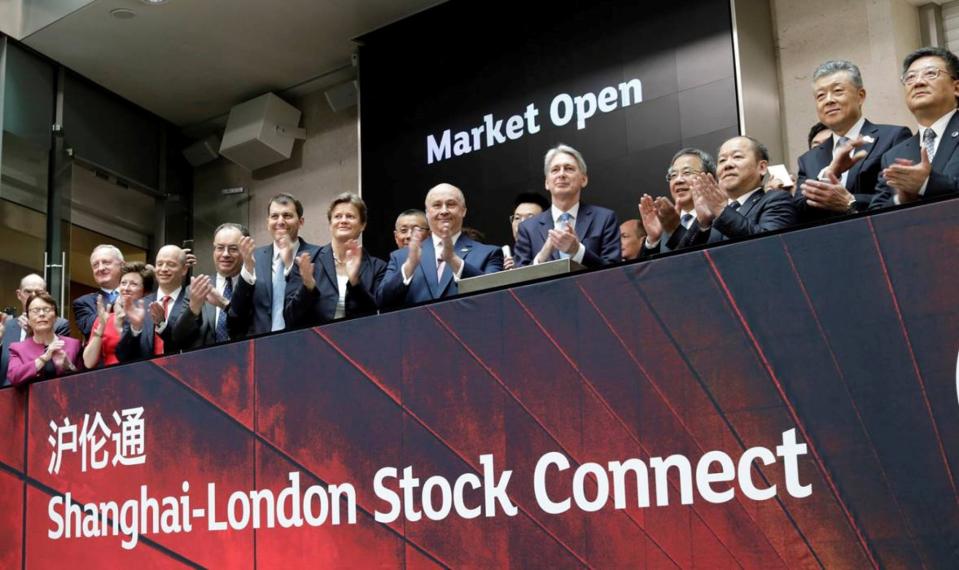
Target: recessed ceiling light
<point>123,14</point>
<point>154,2</point>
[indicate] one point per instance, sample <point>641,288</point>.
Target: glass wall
<point>28,88</point>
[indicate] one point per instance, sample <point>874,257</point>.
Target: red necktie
<point>157,341</point>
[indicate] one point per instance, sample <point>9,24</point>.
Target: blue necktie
<point>111,297</point>
<point>686,220</point>
<point>564,219</point>
<point>279,293</point>
<point>221,334</point>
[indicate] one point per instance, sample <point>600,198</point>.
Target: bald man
<point>14,329</point>
<point>431,266</point>
<point>148,327</point>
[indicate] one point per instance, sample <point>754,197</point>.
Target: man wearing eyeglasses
<point>526,205</point>
<point>840,175</point>
<point>208,320</point>
<point>666,222</point>
<point>16,329</point>
<point>408,223</point>
<point>926,165</point>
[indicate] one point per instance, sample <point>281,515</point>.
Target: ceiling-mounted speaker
<point>202,151</point>
<point>343,96</point>
<point>261,132</point>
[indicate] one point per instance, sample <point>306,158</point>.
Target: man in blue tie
<point>208,321</point>
<point>105,262</point>
<point>258,300</point>
<point>926,165</point>
<point>589,235</point>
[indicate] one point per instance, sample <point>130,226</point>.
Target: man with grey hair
<point>17,329</point>
<point>667,222</point>
<point>840,175</point>
<point>105,262</point>
<point>586,234</point>
<point>433,264</point>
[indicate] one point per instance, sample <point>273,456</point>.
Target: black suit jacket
<point>764,211</point>
<point>596,229</point>
<point>862,178</point>
<point>478,258</point>
<point>311,308</point>
<point>132,347</point>
<point>676,240</point>
<point>251,306</point>
<point>194,331</point>
<point>85,311</point>
<point>944,178</point>
<point>12,334</point>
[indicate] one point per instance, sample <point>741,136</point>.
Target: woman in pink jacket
<point>43,355</point>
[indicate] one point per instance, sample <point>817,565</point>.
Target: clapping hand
<point>306,265</point>
<point>354,259</point>
<point>907,178</point>
<point>200,288</point>
<point>247,246</point>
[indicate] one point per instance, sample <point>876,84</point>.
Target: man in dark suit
<point>737,205</point>
<point>207,322</point>
<point>149,325</point>
<point>261,292</point>
<point>926,165</point>
<point>667,223</point>
<point>840,175</point>
<point>589,235</point>
<point>106,261</point>
<point>15,329</point>
<point>430,267</point>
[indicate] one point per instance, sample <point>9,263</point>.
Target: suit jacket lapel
<point>329,265</point>
<point>746,208</point>
<point>545,224</point>
<point>462,247</point>
<point>428,265</point>
<point>873,131</point>
<point>583,220</point>
<point>947,145</point>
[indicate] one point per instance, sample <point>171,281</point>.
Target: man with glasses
<point>666,222</point>
<point>570,229</point>
<point>839,176</point>
<point>525,206</point>
<point>926,165</point>
<point>17,329</point>
<point>208,320</point>
<point>408,223</point>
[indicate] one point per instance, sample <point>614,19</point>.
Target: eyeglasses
<point>926,74</point>
<point>232,249</point>
<point>41,310</point>
<point>521,217</point>
<point>685,173</point>
<point>408,229</point>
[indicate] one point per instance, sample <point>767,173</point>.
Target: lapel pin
<point>955,134</point>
